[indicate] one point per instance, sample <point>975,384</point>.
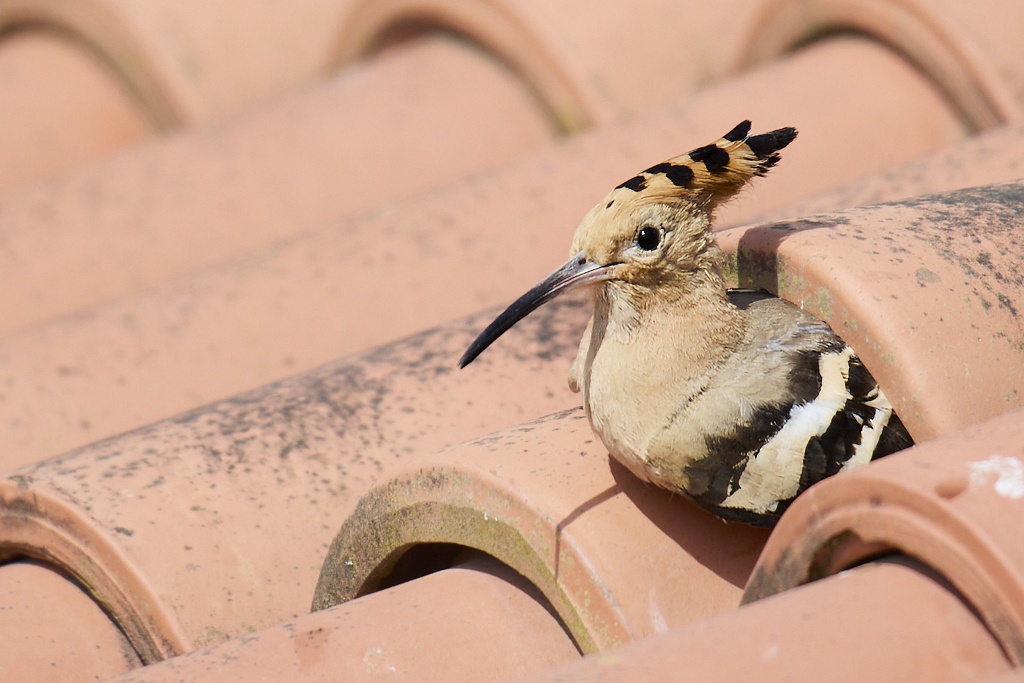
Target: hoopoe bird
<point>736,399</point>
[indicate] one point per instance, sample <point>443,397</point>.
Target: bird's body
<point>738,400</point>
<point>755,403</point>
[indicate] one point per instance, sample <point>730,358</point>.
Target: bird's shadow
<point>728,549</point>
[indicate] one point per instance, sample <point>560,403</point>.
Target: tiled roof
<point>242,248</point>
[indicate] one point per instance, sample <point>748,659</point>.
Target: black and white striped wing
<point>832,417</point>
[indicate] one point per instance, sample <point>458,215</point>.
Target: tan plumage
<point>738,400</point>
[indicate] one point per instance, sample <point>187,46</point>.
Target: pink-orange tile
<point>43,77</point>
<point>928,291</point>
<point>952,503</point>
<point>53,630</point>
<point>888,621</point>
<point>205,195</point>
<point>968,53</point>
<point>478,621</point>
<point>984,159</point>
<point>618,559</point>
<point>216,522</point>
<point>189,62</point>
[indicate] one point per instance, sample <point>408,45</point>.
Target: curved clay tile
<point>953,503</point>
<point>208,194</point>
<point>360,282</point>
<point>992,157</point>
<point>969,53</point>
<point>500,28</point>
<point>474,622</point>
<point>888,621</point>
<point>53,630</point>
<point>928,291</point>
<point>189,62</point>
<point>109,31</point>
<point>216,522</point>
<point>61,107</point>
<point>618,560</point>
<point>588,61</point>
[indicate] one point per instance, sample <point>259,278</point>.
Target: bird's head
<point>654,228</point>
<point>640,240</point>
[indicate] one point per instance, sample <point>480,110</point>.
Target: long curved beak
<point>575,272</point>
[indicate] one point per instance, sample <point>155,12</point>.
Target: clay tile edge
<point>438,505</point>
<point>906,285</point>
<point>45,528</point>
<point>166,98</point>
<point>917,30</point>
<point>927,503</point>
<point>506,34</point>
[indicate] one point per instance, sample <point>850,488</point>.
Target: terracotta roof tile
<point>966,52</point>
<point>210,529</point>
<point>170,525</point>
<point>476,621</point>
<point>886,621</point>
<point>53,629</point>
<point>213,193</point>
<point>45,76</point>
<point>952,503</point>
<point>984,159</point>
<point>928,290</point>
<point>617,559</point>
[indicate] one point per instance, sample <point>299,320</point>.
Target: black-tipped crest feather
<point>712,173</point>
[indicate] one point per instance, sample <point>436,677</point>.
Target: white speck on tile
<point>770,652</point>
<point>654,613</point>
<point>375,661</point>
<point>1005,473</point>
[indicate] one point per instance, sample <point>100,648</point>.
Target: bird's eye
<point>648,238</point>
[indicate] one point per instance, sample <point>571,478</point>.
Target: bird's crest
<point>707,175</point>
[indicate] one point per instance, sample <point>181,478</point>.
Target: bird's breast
<point>635,394</point>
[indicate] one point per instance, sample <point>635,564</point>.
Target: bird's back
<point>803,407</point>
